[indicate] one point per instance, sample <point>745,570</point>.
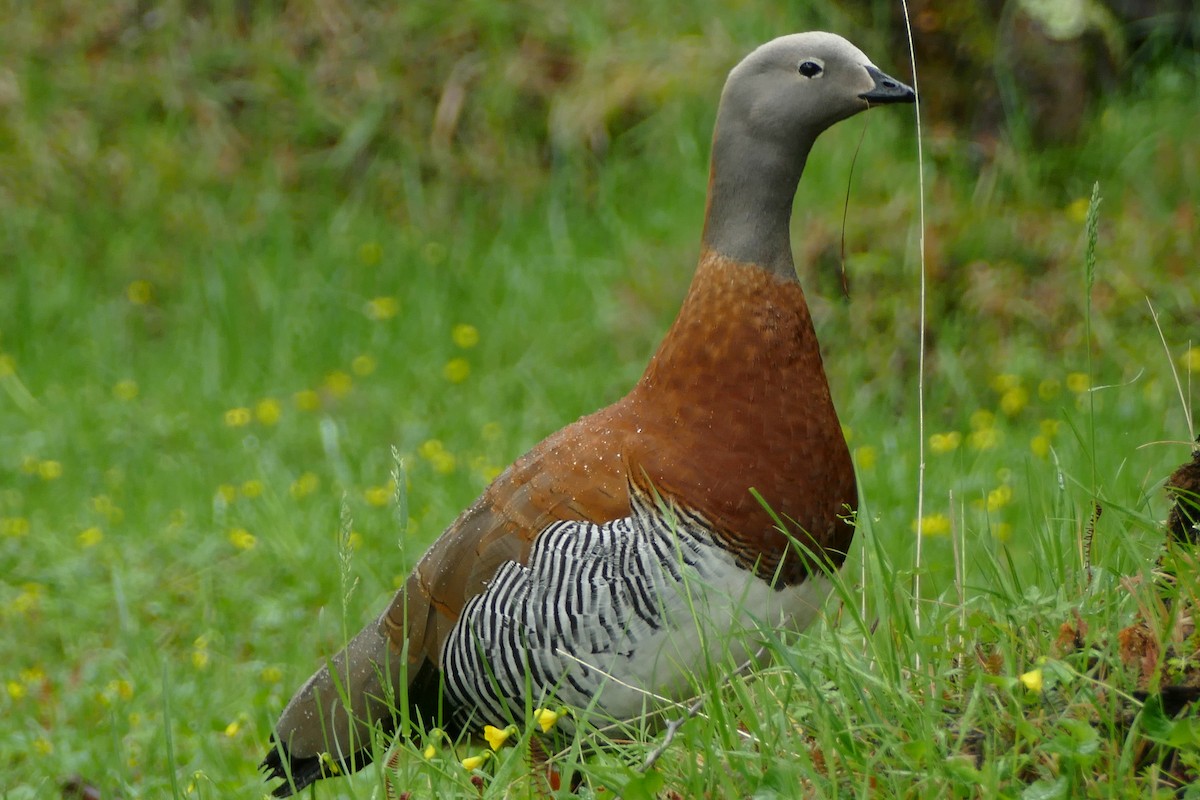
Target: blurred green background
<point>247,248</point>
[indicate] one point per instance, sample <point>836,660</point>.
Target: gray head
<point>775,104</point>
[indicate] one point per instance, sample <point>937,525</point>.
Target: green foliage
<point>1182,733</point>
<point>242,257</point>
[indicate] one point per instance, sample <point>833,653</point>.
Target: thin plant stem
<point>1089,277</point>
<point>912,55</point>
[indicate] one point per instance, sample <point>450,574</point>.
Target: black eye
<point>810,69</point>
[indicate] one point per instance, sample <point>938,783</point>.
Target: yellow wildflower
<point>442,460</point>
<point>237,417</point>
<point>242,539</point>
<point>1040,445</point>
<point>1191,360</point>
<point>465,336</point>
<point>1033,680</point>
<point>485,468</point>
<point>370,253</point>
<point>456,370</point>
<point>267,411</point>
<point>29,599</point>
<point>1049,388</point>
<point>381,308</point>
<point>547,718</point>
<point>379,496</point>
<point>271,675</point>
<point>90,537</point>
<point>496,737</point>
<point>933,525</point>
<point>139,292</point>
<point>1077,210</point>
<point>50,470</point>
<point>232,728</point>
<point>1004,382</point>
<point>125,390</point>
<point>1078,382</point>
<point>982,420</point>
<point>435,736</point>
<point>362,365</point>
<point>15,690</point>
<point>119,688</point>
<point>444,463</point>
<point>866,456</point>
<point>945,442</point>
<point>984,439</point>
<point>338,383</point>
<point>29,464</point>
<point>14,527</point>
<point>307,400</point>
<point>32,675</point>
<point>43,746</point>
<point>305,485</point>
<point>200,653</point>
<point>1014,400</point>
<point>227,492</point>
<point>252,488</point>
<point>998,498</point>
<point>475,762</point>
<point>1002,531</point>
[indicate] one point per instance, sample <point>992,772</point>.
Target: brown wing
<point>576,474</point>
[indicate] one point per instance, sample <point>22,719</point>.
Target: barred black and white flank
<point>596,616</point>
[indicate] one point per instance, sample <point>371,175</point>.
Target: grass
<point>235,273</point>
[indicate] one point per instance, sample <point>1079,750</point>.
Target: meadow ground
<point>230,286</point>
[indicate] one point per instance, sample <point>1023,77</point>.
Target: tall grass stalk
<point>1091,224</point>
<point>912,57</point>
<point>1184,397</point>
<point>168,737</point>
<point>401,515</point>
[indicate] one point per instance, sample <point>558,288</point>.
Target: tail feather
<point>309,742</point>
<point>299,772</point>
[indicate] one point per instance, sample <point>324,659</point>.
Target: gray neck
<point>750,193</point>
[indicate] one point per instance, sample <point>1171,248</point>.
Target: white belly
<point>714,614</point>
